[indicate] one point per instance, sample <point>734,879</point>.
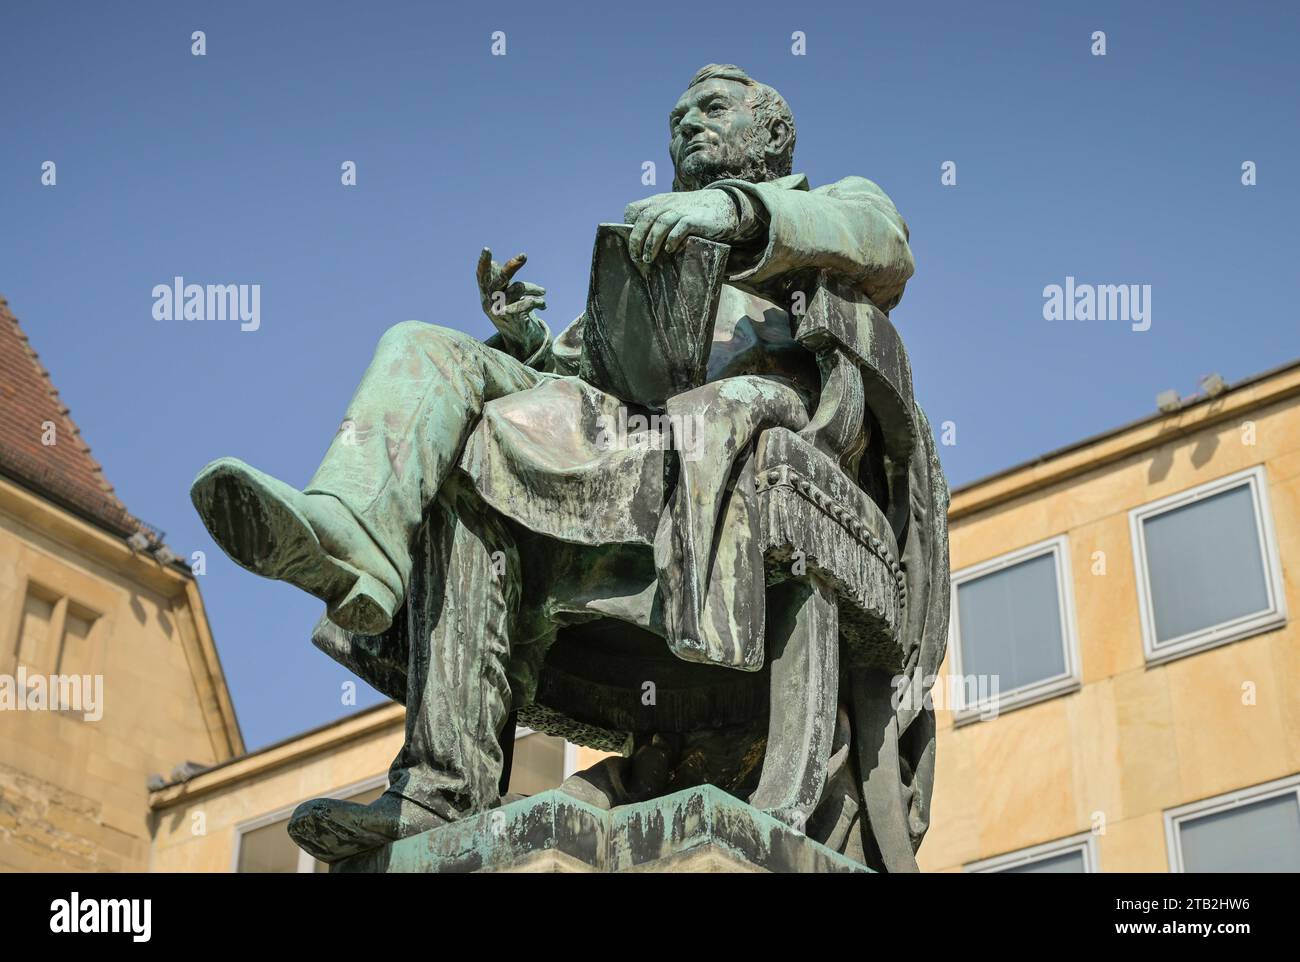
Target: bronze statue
<point>705,526</point>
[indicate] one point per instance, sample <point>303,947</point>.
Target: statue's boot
<point>332,828</point>
<point>309,540</point>
<point>619,780</point>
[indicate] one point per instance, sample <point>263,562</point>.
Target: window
<point>54,633</point>
<point>1013,631</point>
<point>264,845</point>
<point>1253,830</point>
<point>540,762</point>
<point>1207,566</point>
<point>268,848</point>
<point>76,656</point>
<point>36,646</point>
<point>1075,854</point>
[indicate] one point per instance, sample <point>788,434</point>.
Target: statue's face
<point>715,135</point>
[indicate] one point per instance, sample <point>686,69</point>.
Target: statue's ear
<point>779,134</point>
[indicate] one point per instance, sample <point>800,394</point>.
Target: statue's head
<point>727,124</point>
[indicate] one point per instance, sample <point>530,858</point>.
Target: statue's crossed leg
<point>346,537</point>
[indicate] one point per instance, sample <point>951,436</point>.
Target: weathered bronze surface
<point>696,829</point>
<point>704,527</point>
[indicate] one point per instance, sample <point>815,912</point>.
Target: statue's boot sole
<point>254,519</point>
<point>331,829</point>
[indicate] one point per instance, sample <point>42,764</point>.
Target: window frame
<point>1275,616</point>
<point>1068,681</point>
<point>69,587</point>
<point>1084,842</point>
<point>306,862</point>
<point>1175,817</point>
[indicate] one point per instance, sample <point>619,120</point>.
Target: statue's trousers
<point>466,585</point>
<point>405,427</point>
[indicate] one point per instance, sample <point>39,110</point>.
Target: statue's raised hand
<point>509,303</point>
<point>664,221</point>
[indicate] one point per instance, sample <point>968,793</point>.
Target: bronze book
<point>647,333</point>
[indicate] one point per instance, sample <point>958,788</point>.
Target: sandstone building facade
<point>88,593</point>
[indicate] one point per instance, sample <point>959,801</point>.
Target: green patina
<point>556,828</point>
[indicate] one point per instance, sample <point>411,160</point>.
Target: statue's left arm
<point>534,352</point>
<point>554,355</point>
<point>512,307</point>
<point>850,227</point>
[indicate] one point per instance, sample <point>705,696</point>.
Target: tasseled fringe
<point>799,522</point>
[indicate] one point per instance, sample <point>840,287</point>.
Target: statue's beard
<point>746,160</point>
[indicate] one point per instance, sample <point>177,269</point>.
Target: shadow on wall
<point>1202,451</point>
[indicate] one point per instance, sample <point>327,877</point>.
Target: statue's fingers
<point>659,231</point>
<point>526,304</point>
<point>522,288</point>
<point>677,236</point>
<point>483,271</point>
<point>510,267</point>
<point>640,228</point>
<point>633,210</point>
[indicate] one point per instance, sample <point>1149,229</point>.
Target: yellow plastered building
<point>1156,564</point>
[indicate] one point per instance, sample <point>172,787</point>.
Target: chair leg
<point>804,650</point>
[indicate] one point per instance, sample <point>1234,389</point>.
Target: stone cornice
<point>1092,453</point>
<point>330,737</point>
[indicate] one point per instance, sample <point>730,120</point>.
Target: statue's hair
<point>763,100</point>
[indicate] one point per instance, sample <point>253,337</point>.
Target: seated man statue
<point>510,422</point>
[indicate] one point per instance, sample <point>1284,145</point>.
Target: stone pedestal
<point>697,830</point>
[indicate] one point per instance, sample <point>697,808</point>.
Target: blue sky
<point>1122,169</point>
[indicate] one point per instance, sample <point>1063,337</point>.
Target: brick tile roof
<point>64,471</point>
